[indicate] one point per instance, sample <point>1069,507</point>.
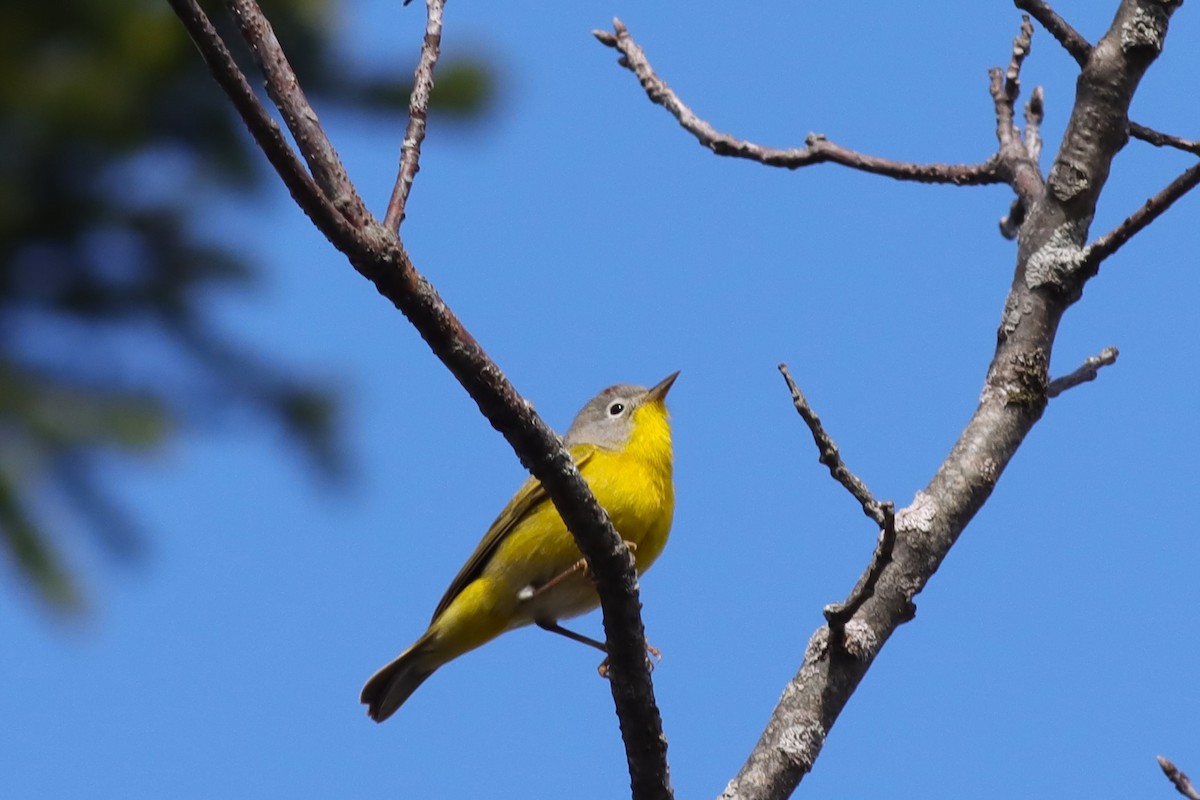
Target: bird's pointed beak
<point>659,392</point>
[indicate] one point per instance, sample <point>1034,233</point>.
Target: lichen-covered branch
<point>1048,278</point>
<point>1080,48</point>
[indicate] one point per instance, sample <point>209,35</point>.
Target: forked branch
<point>299,116</point>
<point>377,253</point>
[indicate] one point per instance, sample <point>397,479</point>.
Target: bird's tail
<point>388,688</point>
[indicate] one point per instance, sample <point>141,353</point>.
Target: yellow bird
<point>527,569</point>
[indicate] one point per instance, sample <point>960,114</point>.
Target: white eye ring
<point>616,409</point>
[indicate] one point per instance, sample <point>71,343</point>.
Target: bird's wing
<point>528,498</point>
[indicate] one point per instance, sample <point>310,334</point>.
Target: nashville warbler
<point>527,569</point>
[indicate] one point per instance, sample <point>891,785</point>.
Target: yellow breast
<point>635,485</point>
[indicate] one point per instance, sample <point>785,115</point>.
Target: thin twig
<point>1059,28</point>
<point>418,114</point>
<point>1017,158</point>
<point>1006,129</point>
<point>1035,112</point>
<point>830,457</point>
<point>1181,781</point>
<point>818,149</point>
<point>838,614</point>
<point>1020,49</point>
<point>1151,136</point>
<point>262,126</point>
<point>298,114</point>
<point>1153,208</point>
<point>1086,372</point>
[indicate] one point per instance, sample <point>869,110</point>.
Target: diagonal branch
<point>1089,370</point>
<point>1182,782</point>
<point>831,457</point>
<point>838,615</point>
<point>418,114</point>
<point>1151,136</point>
<point>378,255</point>
<point>299,116</point>
<point>1129,227</point>
<point>1071,40</point>
<point>263,128</point>
<point>817,149</point>
<point>1047,281</point>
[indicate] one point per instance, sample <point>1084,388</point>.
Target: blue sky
<point>586,240</point>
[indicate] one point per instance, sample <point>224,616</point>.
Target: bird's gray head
<point>607,419</point>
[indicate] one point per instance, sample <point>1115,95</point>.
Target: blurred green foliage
<point>104,335</point>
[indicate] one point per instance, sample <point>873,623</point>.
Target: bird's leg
<point>651,650</point>
<point>531,591</point>
<point>554,627</point>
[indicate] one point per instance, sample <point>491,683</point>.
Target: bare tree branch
<point>818,149</point>
<point>1151,136</point>
<point>378,255</point>
<point>1059,28</point>
<point>1017,158</point>
<point>1010,224</point>
<point>418,113</point>
<point>1048,279</point>
<point>299,116</point>
<point>830,457</point>
<point>1020,49</point>
<point>1182,783</point>
<point>837,615</point>
<point>1088,371</point>
<point>1153,208</point>
<point>1080,48</point>
<point>266,132</point>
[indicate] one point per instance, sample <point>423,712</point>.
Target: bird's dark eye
<point>615,409</point>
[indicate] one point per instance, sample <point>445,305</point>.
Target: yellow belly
<point>634,485</point>
<point>640,501</point>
